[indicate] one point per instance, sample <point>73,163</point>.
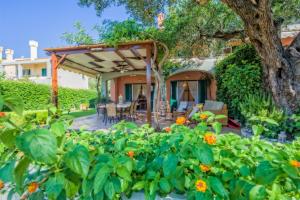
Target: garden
<point>53,162</point>
<point>42,157</point>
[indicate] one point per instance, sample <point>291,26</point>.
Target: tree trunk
<point>279,64</point>
<point>159,91</point>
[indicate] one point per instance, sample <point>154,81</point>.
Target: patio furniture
<point>101,109</point>
<point>182,109</point>
<point>123,106</point>
<point>111,110</point>
<point>218,108</point>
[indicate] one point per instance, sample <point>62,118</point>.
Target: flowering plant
<point>54,162</point>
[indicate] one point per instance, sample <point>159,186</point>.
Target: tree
<point>261,23</point>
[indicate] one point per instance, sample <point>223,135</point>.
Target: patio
<point>105,62</point>
<point>95,122</point>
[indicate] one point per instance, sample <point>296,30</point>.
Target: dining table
<point>123,106</point>
<point>120,106</point>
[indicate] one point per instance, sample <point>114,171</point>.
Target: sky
<point>45,21</point>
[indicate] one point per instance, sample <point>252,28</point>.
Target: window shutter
<point>44,72</point>
<point>173,100</point>
<point>202,90</point>
<point>128,92</point>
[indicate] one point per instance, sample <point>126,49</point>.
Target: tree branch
<point>227,35</point>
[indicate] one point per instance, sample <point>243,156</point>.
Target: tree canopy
<point>199,27</point>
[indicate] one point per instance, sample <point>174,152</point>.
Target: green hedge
<point>38,96</point>
<point>238,75</point>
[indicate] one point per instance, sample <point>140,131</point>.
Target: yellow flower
<point>201,186</point>
<point>203,116</point>
<point>295,163</point>
<point>180,120</point>
<point>204,168</point>
<point>1,184</point>
<point>33,187</point>
<point>210,138</point>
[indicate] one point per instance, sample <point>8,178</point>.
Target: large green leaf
<point>8,138</point>
<point>124,173</point>
<point>39,144</point>
<point>291,171</point>
<point>71,188</point>
<point>117,184</point>
<point>164,185</point>
<point>217,186</point>
<point>14,103</point>
<point>58,129</point>
<point>55,185</point>
<point>258,192</point>
<point>170,164</point>
<point>139,185</point>
<point>217,126</point>
<point>265,173</point>
<point>20,172</point>
<point>7,171</point>
<point>78,160</point>
<point>204,153</point>
<point>100,179</point>
<point>109,190</point>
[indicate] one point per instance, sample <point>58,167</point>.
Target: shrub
<point>238,75</point>
<point>55,163</point>
<point>38,96</point>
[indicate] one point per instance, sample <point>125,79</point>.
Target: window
<point>44,72</point>
<point>26,72</point>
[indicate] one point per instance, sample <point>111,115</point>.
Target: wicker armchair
<point>111,113</point>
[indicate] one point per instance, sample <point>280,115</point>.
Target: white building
<point>37,69</point>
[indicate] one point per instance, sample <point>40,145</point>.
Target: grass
<point>83,113</point>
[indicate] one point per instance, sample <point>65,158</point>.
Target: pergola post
<point>54,63</point>
<point>148,77</point>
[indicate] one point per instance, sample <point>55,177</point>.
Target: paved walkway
<point>95,122</point>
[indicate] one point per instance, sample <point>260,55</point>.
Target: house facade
<point>37,70</point>
<point>193,82</point>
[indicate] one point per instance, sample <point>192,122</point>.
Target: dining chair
<point>111,113</point>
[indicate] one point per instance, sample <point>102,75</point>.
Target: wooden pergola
<point>99,59</point>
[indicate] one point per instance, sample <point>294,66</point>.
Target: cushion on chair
<point>213,105</point>
<point>182,106</point>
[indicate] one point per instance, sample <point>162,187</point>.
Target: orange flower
<point>204,168</point>
<point>1,184</point>
<point>168,129</point>
<point>210,138</point>
<point>33,187</point>
<point>130,154</point>
<point>295,163</point>
<point>203,116</point>
<point>180,120</point>
<point>201,186</point>
<point>2,114</point>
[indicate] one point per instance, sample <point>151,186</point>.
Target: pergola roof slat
<point>103,58</point>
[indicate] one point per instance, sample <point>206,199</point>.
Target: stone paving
<point>95,122</point>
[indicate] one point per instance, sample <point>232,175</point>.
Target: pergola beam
<point>137,54</point>
<point>54,63</point>
<point>125,59</point>
<point>84,66</point>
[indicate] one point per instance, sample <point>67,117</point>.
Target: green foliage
<point>79,37</point>
<point>96,165</point>
<point>238,75</point>
<point>261,113</point>
<point>38,97</point>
